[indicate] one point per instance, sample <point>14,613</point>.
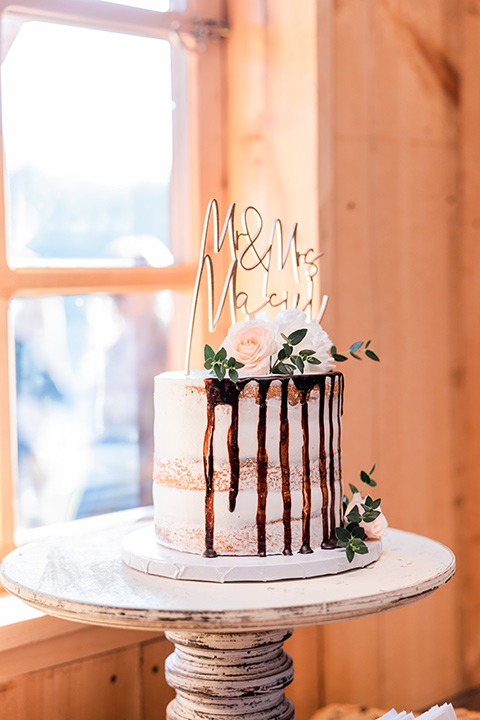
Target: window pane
<point>87,118</point>
<point>159,5</point>
<point>84,401</point>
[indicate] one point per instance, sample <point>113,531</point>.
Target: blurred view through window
<point>87,123</point>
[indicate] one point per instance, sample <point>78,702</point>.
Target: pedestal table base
<point>229,676</point>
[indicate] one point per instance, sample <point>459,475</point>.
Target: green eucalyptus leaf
<point>221,354</point>
<point>298,362</point>
<point>370,516</point>
<point>376,504</point>
<point>350,553</point>
<point>281,369</point>
<point>359,533</point>
<point>365,477</point>
<point>342,534</point>
<point>361,549</point>
<point>354,515</point>
<point>357,357</point>
<point>208,364</point>
<point>219,371</point>
<point>233,375</point>
<point>282,354</point>
<point>208,352</point>
<point>352,488</point>
<point>373,468</point>
<point>297,336</point>
<point>288,349</point>
<point>314,361</point>
<point>284,337</point>
<point>238,365</point>
<point>339,358</point>
<point>304,353</point>
<point>372,355</point>
<point>351,527</point>
<point>367,344</point>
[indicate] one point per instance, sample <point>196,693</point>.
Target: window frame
<point>197,175</point>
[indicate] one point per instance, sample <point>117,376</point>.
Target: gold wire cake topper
<point>247,256</point>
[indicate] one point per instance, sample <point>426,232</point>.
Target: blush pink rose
<point>373,530</point>
<point>252,342</point>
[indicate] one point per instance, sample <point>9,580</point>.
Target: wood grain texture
<point>156,692</point>
<point>105,688</point>
<point>395,219</point>
<point>469,341</point>
<point>393,175</point>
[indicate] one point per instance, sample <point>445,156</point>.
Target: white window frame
<point>198,174</point>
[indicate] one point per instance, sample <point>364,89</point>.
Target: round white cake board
<point>141,551</point>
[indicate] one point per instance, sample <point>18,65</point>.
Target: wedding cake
<point>248,455</point>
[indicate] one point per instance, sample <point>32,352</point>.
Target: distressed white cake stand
<point>228,662</point>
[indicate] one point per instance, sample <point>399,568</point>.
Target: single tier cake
<point>248,467</point>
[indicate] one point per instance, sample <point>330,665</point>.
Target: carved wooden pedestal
<point>229,675</point>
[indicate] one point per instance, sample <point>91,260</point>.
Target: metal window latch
<point>195,36</point>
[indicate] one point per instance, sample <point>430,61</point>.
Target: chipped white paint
<point>141,551</point>
<point>239,675</point>
<point>82,577</point>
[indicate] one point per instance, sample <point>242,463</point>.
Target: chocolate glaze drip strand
<point>304,385</point>
<point>306,484</point>
<point>339,436</point>
<point>262,467</point>
<point>322,461</point>
<point>208,471</point>
<point>285,468</point>
<point>330,540</point>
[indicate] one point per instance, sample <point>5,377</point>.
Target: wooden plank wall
<point>361,120</point>
<point>57,681</point>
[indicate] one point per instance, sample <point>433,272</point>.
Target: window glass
<point>87,121</point>
<point>159,5</point>
<point>85,366</point>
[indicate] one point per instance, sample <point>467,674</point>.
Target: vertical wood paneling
<point>272,81</point>
<point>383,177</point>
<point>156,693</point>
<point>105,688</point>
<point>469,344</point>
<point>396,167</point>
<point>306,691</point>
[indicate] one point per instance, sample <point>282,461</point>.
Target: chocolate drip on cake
<point>262,467</point>
<point>330,540</point>
<point>285,468</point>
<point>225,392</point>
<point>322,461</point>
<point>339,435</point>
<point>208,471</point>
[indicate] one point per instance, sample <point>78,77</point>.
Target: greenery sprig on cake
<point>363,519</point>
<point>220,365</point>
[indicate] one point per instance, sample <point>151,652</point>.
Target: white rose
<point>252,342</point>
<point>287,321</point>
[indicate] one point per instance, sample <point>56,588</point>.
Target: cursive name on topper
<point>246,256</point>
